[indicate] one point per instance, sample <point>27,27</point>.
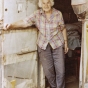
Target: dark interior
<point>65,7</point>
<point>74,32</point>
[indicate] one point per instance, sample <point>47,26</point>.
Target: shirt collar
<point>42,12</point>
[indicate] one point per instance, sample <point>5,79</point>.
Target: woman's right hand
<point>7,26</point>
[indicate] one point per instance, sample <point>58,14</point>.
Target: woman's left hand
<point>66,48</point>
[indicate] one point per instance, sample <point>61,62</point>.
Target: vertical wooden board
<point>15,10</point>
<point>84,57</point>
<point>0,61</point>
<point>87,51</point>
<point>22,71</point>
<point>19,41</point>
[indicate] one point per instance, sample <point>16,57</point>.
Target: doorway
<point>72,58</point>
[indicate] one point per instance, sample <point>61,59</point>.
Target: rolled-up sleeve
<point>30,20</point>
<point>61,21</point>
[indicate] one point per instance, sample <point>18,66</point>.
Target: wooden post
<point>2,65</point>
<point>87,51</point>
<point>82,53</point>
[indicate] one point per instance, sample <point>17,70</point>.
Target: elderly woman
<point>51,40</point>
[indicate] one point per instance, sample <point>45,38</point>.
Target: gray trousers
<point>53,64</point>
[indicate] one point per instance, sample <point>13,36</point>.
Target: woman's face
<point>46,5</point>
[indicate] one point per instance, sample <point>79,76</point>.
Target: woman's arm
<point>65,40</point>
<point>64,35</point>
<point>28,21</point>
<point>63,29</point>
<point>18,24</point>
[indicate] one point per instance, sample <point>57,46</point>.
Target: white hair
<point>40,3</point>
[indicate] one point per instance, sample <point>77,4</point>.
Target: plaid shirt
<point>50,31</point>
